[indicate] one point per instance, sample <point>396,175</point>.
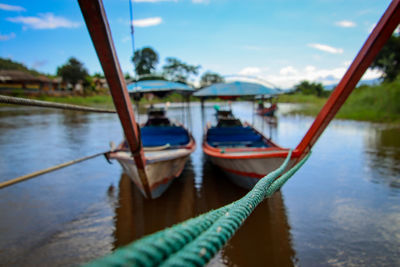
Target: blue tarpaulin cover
<point>151,86</point>
<point>162,135</point>
<point>234,136</point>
<point>237,88</point>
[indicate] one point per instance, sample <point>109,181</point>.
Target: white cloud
<point>44,21</point>
<point>6,37</point>
<point>148,22</point>
<point>289,70</point>
<point>309,69</point>
<point>326,48</point>
<point>11,8</point>
<point>346,24</point>
<point>371,74</point>
<point>250,71</point>
<point>289,76</point>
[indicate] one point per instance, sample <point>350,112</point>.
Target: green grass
<point>300,98</point>
<point>94,101</point>
<point>379,103</point>
<point>99,101</point>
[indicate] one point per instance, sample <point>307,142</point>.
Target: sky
<point>280,41</point>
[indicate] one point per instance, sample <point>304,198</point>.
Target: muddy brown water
<point>341,209</point>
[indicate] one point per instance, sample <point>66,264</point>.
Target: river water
<point>341,209</point>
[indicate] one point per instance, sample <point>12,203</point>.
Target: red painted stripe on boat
<point>275,153</point>
<point>247,174</point>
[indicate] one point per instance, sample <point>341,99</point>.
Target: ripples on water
<point>341,209</point>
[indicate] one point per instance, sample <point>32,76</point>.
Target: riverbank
<point>378,103</point>
<point>101,100</point>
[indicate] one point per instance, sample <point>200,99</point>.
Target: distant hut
<point>100,83</point>
<point>11,79</point>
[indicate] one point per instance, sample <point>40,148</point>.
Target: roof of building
<point>237,88</point>
<point>21,76</point>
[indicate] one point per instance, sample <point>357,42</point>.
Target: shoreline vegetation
<point>375,103</point>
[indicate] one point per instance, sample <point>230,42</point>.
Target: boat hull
<point>247,172</point>
<point>269,112</point>
<point>162,167</point>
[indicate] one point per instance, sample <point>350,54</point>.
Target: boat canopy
<point>237,88</point>
<point>154,86</point>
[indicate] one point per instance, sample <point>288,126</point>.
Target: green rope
<point>195,241</point>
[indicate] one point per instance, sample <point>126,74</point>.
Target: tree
<point>307,88</point>
<point>145,60</point>
<point>127,76</point>
<point>388,59</point>
<point>72,71</point>
<point>179,71</point>
<point>98,75</point>
<point>209,78</point>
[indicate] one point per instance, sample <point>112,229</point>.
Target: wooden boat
<point>241,151</point>
<point>267,111</point>
<point>167,146</point>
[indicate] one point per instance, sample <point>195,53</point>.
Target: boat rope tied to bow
<point>195,241</point>
<point>45,104</point>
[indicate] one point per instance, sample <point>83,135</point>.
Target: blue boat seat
<point>162,135</point>
<point>237,136</point>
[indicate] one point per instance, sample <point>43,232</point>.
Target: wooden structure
<point>25,80</point>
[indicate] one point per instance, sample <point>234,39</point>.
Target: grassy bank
<point>374,103</point>
<point>100,101</point>
<point>379,103</point>
<point>104,101</point>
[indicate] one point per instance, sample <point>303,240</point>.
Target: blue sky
<point>281,41</point>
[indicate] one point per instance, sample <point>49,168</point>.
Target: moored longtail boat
<point>268,111</point>
<point>242,152</point>
<point>166,145</point>
<point>166,150</point>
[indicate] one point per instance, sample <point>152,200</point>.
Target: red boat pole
<point>376,40</point>
<point>97,24</point>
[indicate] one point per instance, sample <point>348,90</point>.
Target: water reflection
<point>136,216</point>
<point>383,156</point>
<point>76,126</point>
<point>263,240</point>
